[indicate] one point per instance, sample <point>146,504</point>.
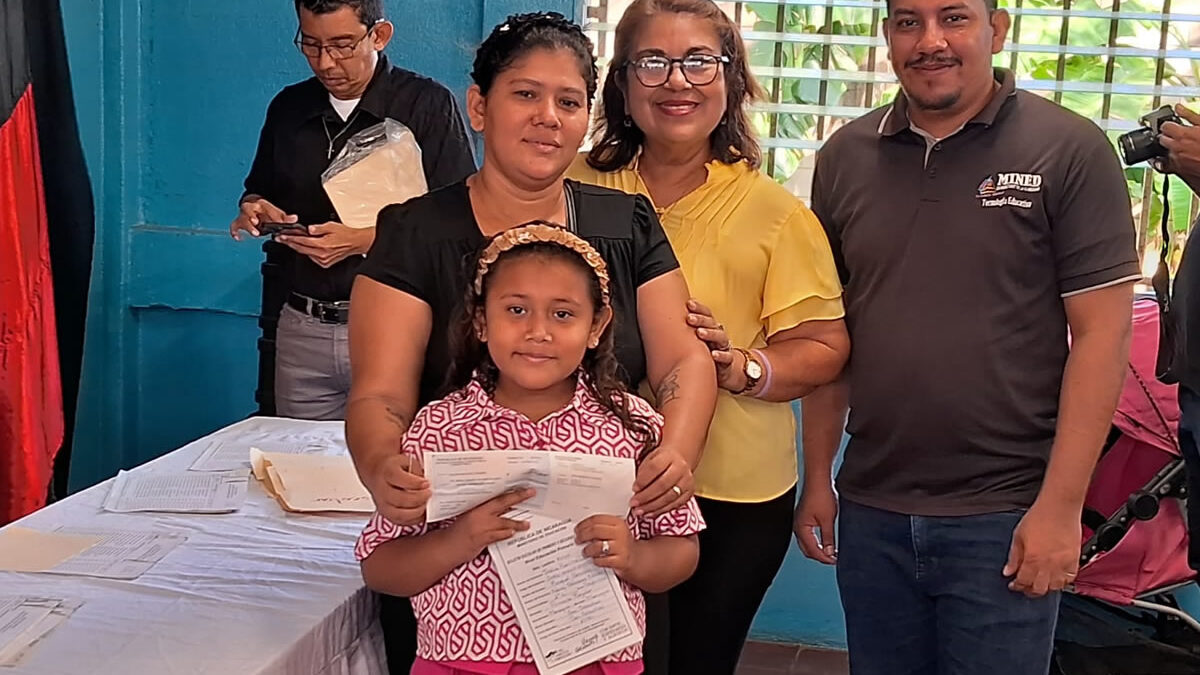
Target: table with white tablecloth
<point>254,591</point>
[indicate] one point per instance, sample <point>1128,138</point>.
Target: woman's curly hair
<point>522,33</point>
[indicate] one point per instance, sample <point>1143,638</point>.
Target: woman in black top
<point>424,243</point>
<point>535,77</point>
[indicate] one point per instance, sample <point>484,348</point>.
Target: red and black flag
<point>45,204</point>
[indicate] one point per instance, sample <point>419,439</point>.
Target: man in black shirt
<point>307,124</point>
<point>1183,145</point>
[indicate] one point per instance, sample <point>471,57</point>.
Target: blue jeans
<point>1189,433</point>
<point>925,596</point>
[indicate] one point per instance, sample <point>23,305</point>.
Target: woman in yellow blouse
<point>674,128</point>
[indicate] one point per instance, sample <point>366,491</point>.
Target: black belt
<point>326,312</point>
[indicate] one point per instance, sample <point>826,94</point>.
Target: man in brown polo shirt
<point>972,223</point>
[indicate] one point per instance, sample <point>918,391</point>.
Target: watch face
<point>753,370</point>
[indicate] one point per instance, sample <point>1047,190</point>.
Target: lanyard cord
<point>332,139</point>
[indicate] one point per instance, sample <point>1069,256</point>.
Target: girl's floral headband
<point>541,234</point>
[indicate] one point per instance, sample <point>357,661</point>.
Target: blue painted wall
<point>803,605</point>
<point>171,95</point>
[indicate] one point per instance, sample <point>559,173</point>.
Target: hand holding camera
<point>1169,139</point>
<point>1182,143</point>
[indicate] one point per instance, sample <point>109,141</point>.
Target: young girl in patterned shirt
<point>533,369</point>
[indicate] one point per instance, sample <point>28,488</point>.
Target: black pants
<point>1189,444</point>
<point>740,553</point>
<point>400,634</point>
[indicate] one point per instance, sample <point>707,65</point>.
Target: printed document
<point>569,485</point>
<point>24,621</point>
<point>185,492</point>
<point>572,612</point>
<point>118,555</point>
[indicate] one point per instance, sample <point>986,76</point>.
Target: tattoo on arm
<point>668,389</point>
<point>398,418</point>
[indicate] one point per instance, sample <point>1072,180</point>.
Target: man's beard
<point>943,101</point>
<point>935,104</point>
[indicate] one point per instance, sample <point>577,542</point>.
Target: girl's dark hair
<point>620,139</point>
<point>470,358</point>
<point>522,33</point>
<point>370,12</point>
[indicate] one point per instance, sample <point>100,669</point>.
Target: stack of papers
<point>177,492</point>
<point>118,555</point>
<point>25,620</point>
<point>231,452</point>
<point>25,550</point>
<point>108,554</point>
<point>311,483</point>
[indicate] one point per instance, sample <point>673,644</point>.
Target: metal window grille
<point>824,62</point>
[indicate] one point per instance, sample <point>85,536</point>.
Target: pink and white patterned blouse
<point>467,617</point>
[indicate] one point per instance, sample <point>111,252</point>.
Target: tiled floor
<point>765,658</point>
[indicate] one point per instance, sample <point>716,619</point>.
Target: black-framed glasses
<point>337,51</point>
<point>697,69</point>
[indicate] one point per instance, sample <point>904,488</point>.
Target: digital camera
<point>1142,144</point>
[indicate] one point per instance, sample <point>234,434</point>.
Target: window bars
<point>824,62</point>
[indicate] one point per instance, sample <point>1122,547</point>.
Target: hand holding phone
<point>293,229</point>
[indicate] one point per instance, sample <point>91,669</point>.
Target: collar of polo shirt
<point>896,119</point>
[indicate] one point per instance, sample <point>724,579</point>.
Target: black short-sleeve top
<point>424,247</point>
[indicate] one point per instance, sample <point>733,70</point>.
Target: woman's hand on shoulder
<point>729,362</point>
<point>664,482</point>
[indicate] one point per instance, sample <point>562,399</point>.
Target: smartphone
<point>283,228</point>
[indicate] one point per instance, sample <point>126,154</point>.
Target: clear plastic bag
<point>380,165</point>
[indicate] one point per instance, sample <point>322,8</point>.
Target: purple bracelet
<point>766,364</point>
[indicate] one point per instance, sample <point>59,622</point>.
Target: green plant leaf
<point>1180,196</point>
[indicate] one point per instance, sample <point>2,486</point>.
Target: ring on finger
<point>677,490</point>
<point>605,547</point>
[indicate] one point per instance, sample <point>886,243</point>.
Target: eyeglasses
<point>337,51</point>
<point>697,69</point>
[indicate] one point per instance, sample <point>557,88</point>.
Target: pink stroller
<point>1135,534</point>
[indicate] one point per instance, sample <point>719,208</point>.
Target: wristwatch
<point>753,370</point>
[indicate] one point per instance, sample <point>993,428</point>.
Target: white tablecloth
<point>256,591</point>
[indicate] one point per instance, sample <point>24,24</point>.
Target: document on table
<point>231,450</point>
<point>571,612</point>
<point>312,483</point>
<point>177,492</point>
<point>25,620</point>
<point>118,555</point>
<point>25,550</point>
<point>568,485</point>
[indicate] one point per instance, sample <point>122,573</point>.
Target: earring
<point>628,122</point>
